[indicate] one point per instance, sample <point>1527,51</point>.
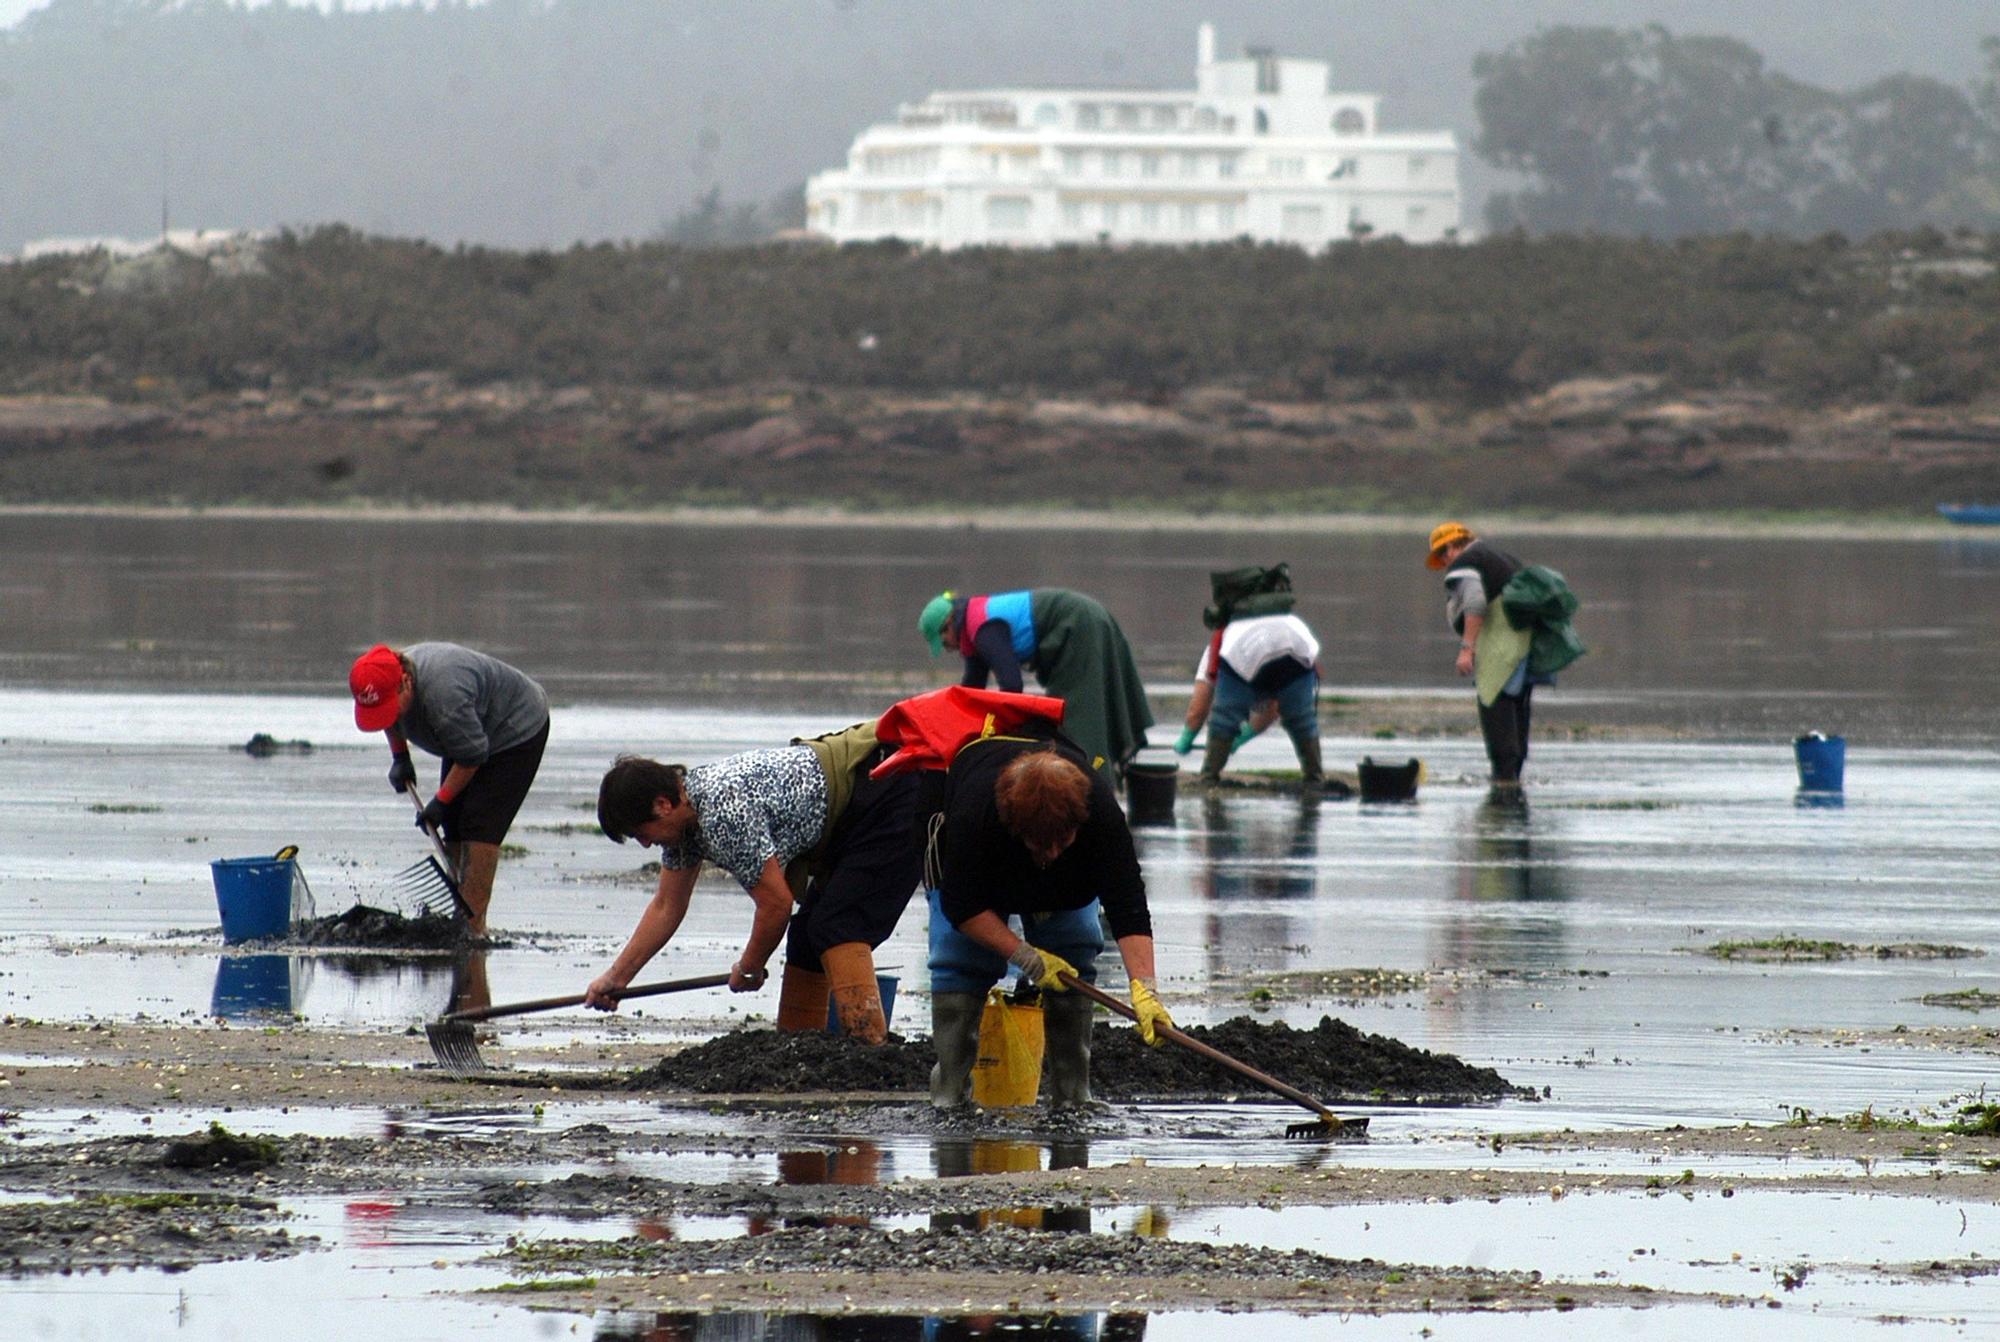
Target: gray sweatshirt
<point>469,706</point>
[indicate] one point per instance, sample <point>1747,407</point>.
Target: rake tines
<point>429,887</point>
<point>455,1045</point>
<point>1330,1128</point>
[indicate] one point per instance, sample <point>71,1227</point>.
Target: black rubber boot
<point>955,1035</point>
<point>1215,757</point>
<point>1066,1020</point>
<point>1311,772</point>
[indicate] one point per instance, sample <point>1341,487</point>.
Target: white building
<point>1263,148</point>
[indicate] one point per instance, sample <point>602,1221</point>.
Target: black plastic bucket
<point>1149,791</point>
<point>1389,782</point>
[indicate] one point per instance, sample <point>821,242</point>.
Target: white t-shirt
<point>1250,645</point>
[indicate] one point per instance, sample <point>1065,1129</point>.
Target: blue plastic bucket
<point>254,895</point>
<point>1822,761</point>
<point>251,985</point>
<point>884,984</point>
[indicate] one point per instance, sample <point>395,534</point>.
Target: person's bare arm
<point>1198,704</point>
<point>657,925</point>
<point>1137,953</point>
<point>1466,640</point>
<point>990,930</point>
<point>773,899</point>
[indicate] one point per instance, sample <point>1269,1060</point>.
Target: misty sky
<point>847,63</point>
<point>1835,42</point>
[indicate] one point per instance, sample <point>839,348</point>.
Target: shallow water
<point>1563,936</point>
<point>1564,933</point>
<point>1886,640</point>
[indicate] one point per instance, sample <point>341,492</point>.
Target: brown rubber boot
<point>801,999</point>
<point>1215,757</point>
<point>857,998</point>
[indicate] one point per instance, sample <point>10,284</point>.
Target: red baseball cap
<point>376,680</point>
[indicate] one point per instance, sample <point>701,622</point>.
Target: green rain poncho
<point>1082,658</point>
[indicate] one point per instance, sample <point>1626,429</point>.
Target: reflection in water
<point>1499,863</point>
<point>1263,853</point>
<point>1809,799</point>
<point>858,1164</point>
<point>469,990</point>
<point>252,985</point>
<point>635,1327</point>
<point>1500,879</point>
<point>957,1157</point>
<point>336,987</point>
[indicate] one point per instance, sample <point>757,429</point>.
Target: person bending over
<point>1033,839</point>
<point>801,824</point>
<point>488,722</point>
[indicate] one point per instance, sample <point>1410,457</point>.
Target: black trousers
<point>486,809</point>
<point>1504,724</point>
<point>874,869</point>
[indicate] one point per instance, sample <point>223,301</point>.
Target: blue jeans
<point>961,965</point>
<point>1298,706</point>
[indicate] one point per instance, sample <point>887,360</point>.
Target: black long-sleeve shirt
<point>993,652</point>
<point>987,868</point>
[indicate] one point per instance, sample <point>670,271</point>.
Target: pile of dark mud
<point>1333,1061</point>
<point>749,1062</point>
<point>367,927</point>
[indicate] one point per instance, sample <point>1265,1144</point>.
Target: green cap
<point>932,622</point>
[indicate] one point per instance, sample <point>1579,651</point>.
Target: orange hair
<point>1042,798</point>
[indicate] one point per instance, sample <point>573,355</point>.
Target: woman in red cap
<point>488,722</point>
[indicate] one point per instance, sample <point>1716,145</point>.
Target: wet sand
<point>831,1240</point>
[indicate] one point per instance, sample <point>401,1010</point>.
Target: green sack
<point>1539,600</point>
<point>1248,592</point>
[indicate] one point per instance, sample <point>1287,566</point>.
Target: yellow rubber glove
<point>1152,1015</point>
<point>1041,968</point>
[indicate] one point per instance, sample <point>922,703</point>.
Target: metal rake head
<point>429,887</point>
<point>455,1045</point>
<point>1331,1128</point>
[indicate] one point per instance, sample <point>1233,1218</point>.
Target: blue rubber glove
<point>1242,735</point>
<point>1184,742</point>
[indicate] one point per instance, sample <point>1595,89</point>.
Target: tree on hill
<point>1643,131</point>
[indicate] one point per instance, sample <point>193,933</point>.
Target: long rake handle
<point>437,840</point>
<point>1193,1045</point>
<point>445,863</point>
<point>577,999</point>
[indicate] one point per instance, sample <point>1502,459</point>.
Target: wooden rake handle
<point>1193,1045</point>
<point>577,999</point>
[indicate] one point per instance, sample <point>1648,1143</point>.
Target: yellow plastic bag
<point>1008,1071</point>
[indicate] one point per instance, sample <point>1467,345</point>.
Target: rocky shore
<point>1616,445</point>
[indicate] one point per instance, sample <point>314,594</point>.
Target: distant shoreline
<point>1812,526</point>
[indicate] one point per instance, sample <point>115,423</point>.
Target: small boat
<point>1971,514</point>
